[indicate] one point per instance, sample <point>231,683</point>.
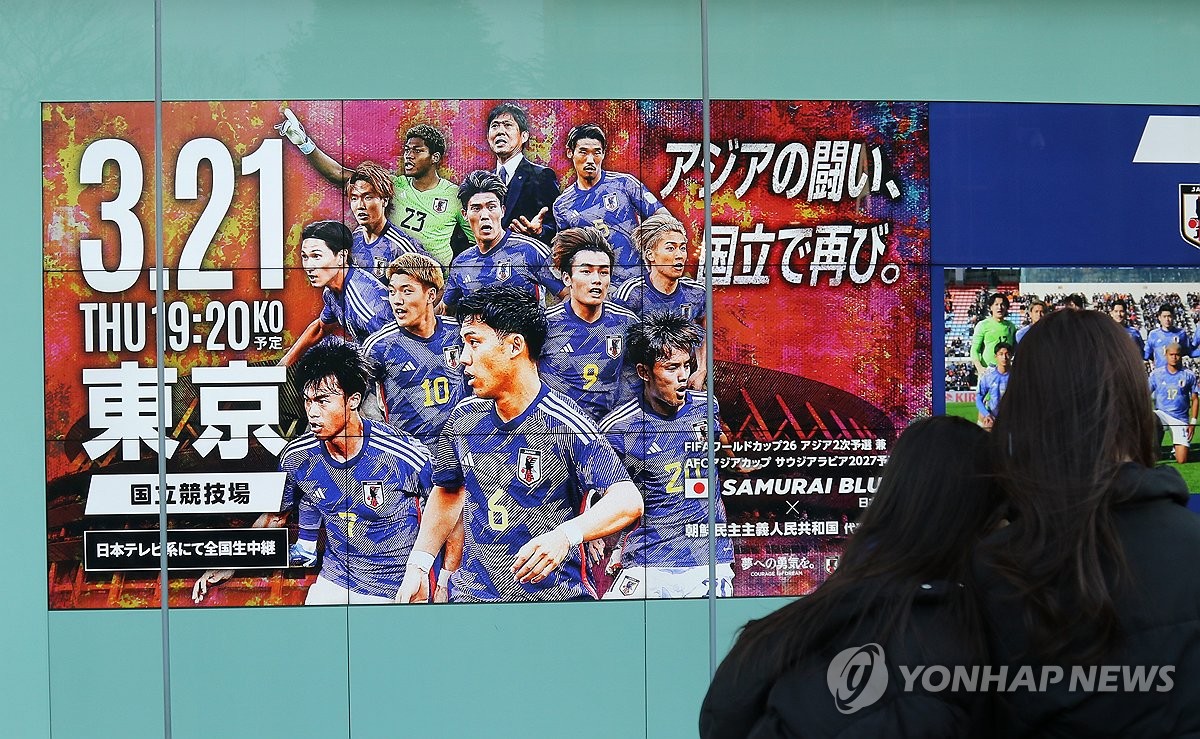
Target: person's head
<point>333,378</point>
<point>998,306</point>
<point>424,149</point>
<point>585,149</point>
<point>503,331</point>
<point>934,503</point>
<point>1073,301</point>
<point>507,130</point>
<point>1119,311</point>
<point>1003,352</point>
<point>1061,434</point>
<point>662,241</point>
<point>414,283</point>
<point>482,196</point>
<point>662,347</point>
<point>1173,353</point>
<point>1037,309</point>
<point>585,259</point>
<point>371,193</point>
<point>325,252</point>
<point>1166,316</point>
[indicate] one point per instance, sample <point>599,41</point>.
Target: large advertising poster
<point>287,224</point>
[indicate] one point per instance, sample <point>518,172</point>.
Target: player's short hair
<point>658,334</point>
<point>570,241</point>
<point>1165,308</point>
<point>337,358</point>
<point>997,296</point>
<point>433,138</point>
<point>481,180</point>
<point>586,131</point>
<point>1002,345</point>
<point>423,268</point>
<point>1121,302</point>
<point>334,233</point>
<point>516,111</point>
<point>1038,302</point>
<point>1075,300</point>
<point>378,178</point>
<point>507,310</point>
<point>649,231</point>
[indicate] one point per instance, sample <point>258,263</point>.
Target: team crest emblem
<point>373,493</point>
<point>831,564</point>
<point>610,202</point>
<point>450,355</point>
<point>629,584</point>
<point>440,205</point>
<point>685,310</point>
<point>700,429</point>
<point>503,271</point>
<point>612,344</point>
<point>1189,214</point>
<point>529,466</point>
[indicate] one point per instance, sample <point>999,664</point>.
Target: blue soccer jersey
<point>1173,391</point>
<point>586,361</point>
<point>1159,339</point>
<point>991,387</point>
<point>515,260</point>
<point>642,297</point>
<point>655,451</point>
<point>1022,331</point>
<point>361,306</point>
<point>369,505</point>
<point>374,256</point>
<point>616,204</point>
<point>522,478</point>
<point>422,379</point>
<point>1137,338</point>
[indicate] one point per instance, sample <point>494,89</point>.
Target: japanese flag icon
<point>695,487</point>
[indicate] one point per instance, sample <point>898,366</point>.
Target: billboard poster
<point>293,230</point>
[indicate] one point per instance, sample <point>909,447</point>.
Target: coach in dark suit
<point>531,187</point>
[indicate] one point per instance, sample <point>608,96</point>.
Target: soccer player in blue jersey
<point>498,257</point>
<point>532,188</point>
<point>992,385</point>
<point>1120,313</point>
<point>1175,399</point>
<point>360,479</point>
<point>584,353</point>
<point>1166,334</point>
<point>614,202</point>
<point>377,241</point>
<point>651,434</point>
<point>662,241</point>
<point>353,299</point>
<point>518,462</point>
<point>421,378</point>
<point>1037,309</point>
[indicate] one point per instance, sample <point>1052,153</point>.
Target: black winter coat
<point>1159,614</point>
<point>743,701</point>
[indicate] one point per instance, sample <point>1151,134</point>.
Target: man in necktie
<point>532,188</point>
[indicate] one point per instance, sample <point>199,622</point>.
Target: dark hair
<point>378,178</point>
<point>507,310</point>
<point>570,241</point>
<point>433,138</point>
<point>1075,300</point>
<point>585,131</point>
<point>657,334</point>
<point>334,233</point>
<point>479,181</point>
<point>1002,345</point>
<point>1059,439</point>
<point>1121,302</point>
<point>997,296</point>
<point>516,111</point>
<point>1165,308</point>
<point>339,359</point>
<point>934,503</point>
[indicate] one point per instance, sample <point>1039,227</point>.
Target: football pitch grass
<point>1190,471</point>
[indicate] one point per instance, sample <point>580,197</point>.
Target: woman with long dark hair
<point>897,597</point>
<point>1094,575</point>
